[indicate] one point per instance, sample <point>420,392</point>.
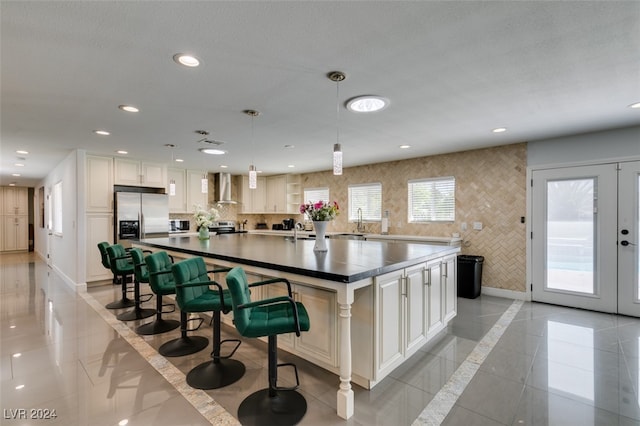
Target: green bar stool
<point>194,295</point>
<point>122,268</point>
<point>161,283</point>
<point>268,317</point>
<point>140,275</point>
<point>161,277</point>
<point>104,257</point>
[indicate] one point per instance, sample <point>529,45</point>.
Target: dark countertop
<point>346,261</point>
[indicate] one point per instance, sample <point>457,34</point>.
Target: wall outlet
<point>477,226</point>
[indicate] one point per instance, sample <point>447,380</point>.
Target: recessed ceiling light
<point>289,146</point>
<point>101,132</point>
<point>636,105</point>
<point>368,103</point>
<point>186,60</point>
<point>405,146</point>
<point>19,165</point>
<point>15,174</point>
<point>212,151</point>
<point>19,387</point>
<point>499,130</point>
<point>179,160</point>
<point>223,166</point>
<point>128,108</point>
<point>122,152</point>
<point>17,355</point>
<point>22,152</point>
<point>291,166</point>
<point>12,184</point>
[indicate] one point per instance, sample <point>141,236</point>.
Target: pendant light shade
<point>172,188</point>
<point>337,159</point>
<point>204,184</point>
<point>253,177</point>
<point>337,76</point>
<point>253,174</point>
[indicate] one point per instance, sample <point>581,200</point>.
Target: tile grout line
<point>200,400</point>
<point>442,403</point>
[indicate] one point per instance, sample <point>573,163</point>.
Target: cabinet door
<point>195,196</point>
<point>99,228</point>
<point>15,233</point>
<point>320,341</point>
<point>127,172</point>
<point>416,307</point>
<point>178,201</point>
<point>389,300</point>
<point>253,200</point>
<point>153,175</point>
<point>99,184</point>
<point>449,277</point>
<point>15,200</point>
<point>434,316</point>
<point>277,194</point>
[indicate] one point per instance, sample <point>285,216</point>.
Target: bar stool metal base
<point>136,314</point>
<point>183,346</point>
<point>215,375</point>
<point>121,304</point>
<point>288,407</point>
<point>157,327</point>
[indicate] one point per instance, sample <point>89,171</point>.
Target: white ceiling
<point>452,70</point>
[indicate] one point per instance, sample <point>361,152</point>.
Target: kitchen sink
<point>290,238</point>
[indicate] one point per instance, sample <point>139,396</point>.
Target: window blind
<point>313,195</point>
<point>432,200</point>
<point>367,197</point>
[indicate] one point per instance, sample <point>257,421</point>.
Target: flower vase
<point>320,227</point>
<point>203,233</point>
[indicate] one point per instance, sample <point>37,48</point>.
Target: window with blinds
<point>367,197</point>
<point>432,200</point>
<point>313,195</point>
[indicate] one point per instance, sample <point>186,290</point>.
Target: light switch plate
<point>477,226</point>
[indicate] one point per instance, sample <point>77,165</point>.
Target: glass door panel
<point>628,239</point>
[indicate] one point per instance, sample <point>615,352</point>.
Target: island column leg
<point>345,402</point>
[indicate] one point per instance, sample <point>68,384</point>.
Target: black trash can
<point>469,276</point>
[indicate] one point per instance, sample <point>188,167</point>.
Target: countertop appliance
<point>225,227</point>
<point>177,226</point>
<point>288,224</point>
<point>140,215</point>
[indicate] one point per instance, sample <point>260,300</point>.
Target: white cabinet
<point>449,275</point>
<point>99,228</point>
<point>177,200</point>
<point>133,172</point>
<point>99,184</point>
<point>320,342</point>
<point>401,319</point>
<point>277,194</point>
<point>253,200</point>
<point>195,196</point>
<point>435,293</point>
<point>15,232</point>
<point>15,200</point>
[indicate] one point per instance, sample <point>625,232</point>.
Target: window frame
<point>411,218</point>
<point>368,213</point>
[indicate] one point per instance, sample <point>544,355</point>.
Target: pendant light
<point>337,76</point>
<point>253,174</point>
<point>204,183</point>
<point>172,182</point>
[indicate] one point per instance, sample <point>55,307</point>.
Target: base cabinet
<point>15,233</point>
<point>99,228</point>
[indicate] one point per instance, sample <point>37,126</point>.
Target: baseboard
<point>507,294</point>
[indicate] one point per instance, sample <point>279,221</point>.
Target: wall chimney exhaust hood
<point>222,194</point>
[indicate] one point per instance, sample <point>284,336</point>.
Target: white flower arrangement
<point>204,217</point>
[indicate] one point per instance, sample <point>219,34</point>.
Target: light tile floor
<point>545,365</point>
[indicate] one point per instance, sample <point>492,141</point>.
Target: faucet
<point>296,227</point>
<point>360,226</point>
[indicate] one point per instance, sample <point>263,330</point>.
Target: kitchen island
<point>372,304</point>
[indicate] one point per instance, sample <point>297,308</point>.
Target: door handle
<point>626,243</point>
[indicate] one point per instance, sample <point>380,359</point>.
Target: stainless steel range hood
<point>222,194</point>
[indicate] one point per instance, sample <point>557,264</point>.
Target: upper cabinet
<point>188,190</point>
<point>195,196</point>
<point>15,200</point>
<point>140,173</point>
<point>274,194</point>
<point>99,184</point>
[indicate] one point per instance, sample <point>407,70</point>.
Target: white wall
<point>63,249</point>
<point>597,147</point>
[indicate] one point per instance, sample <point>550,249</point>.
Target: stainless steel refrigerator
<point>140,215</point>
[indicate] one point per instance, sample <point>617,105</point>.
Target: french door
<point>585,231</point>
